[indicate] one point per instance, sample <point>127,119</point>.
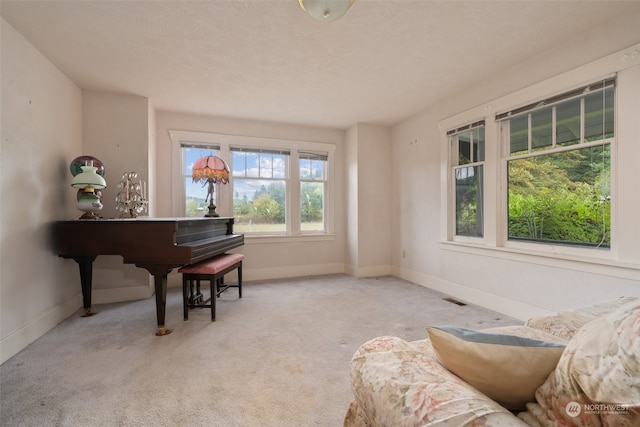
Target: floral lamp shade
<point>210,170</point>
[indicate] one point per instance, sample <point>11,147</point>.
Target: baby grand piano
<point>156,244</point>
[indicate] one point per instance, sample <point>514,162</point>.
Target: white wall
<point>369,200</point>
<point>41,134</point>
<point>519,285</point>
<point>116,130</point>
<point>270,258</point>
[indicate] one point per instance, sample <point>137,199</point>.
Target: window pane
<point>279,165</point>
<point>519,134</point>
<point>464,148</point>
<point>305,168</point>
<point>312,206</point>
<point>312,169</point>
<point>598,115</point>
<point>561,197</point>
<point>469,201</point>
<point>239,163</point>
<point>266,166</point>
<point>568,123</point>
<point>541,124</point>
<point>259,205</point>
<point>478,144</point>
<point>252,165</point>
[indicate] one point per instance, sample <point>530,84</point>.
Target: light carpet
<point>277,357</point>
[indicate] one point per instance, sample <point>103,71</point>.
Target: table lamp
<point>88,182</point>
<point>210,170</point>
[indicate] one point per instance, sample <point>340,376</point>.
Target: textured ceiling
<point>267,60</point>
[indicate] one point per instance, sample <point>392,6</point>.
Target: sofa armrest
<point>396,384</point>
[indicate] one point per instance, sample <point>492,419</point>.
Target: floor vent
<point>455,301</point>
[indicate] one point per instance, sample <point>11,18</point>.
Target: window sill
<point>263,238</point>
<point>578,262</point>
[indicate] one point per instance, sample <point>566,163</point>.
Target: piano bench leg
<point>223,287</point>
<point>191,300</point>
<point>185,296</point>
<point>213,281</point>
<point>198,297</point>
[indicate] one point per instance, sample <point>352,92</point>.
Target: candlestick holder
<point>131,200</point>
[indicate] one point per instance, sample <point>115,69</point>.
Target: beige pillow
<point>507,368</point>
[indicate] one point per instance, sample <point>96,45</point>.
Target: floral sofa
<point>579,367</point>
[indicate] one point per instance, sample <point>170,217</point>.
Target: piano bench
<point>213,270</point>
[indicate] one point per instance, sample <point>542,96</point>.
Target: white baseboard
<point>373,271</point>
<point>515,309</point>
<point>20,338</point>
<point>291,271</point>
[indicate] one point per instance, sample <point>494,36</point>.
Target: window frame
<point>225,192</point>
<point>453,144</point>
<point>503,121</point>
<point>286,178</point>
<point>322,156</point>
<point>495,242</point>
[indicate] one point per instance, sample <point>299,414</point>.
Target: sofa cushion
<point>507,368</point>
<point>597,380</point>
<point>566,323</point>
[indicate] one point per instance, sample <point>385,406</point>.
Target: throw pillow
<point>507,368</point>
<point>597,380</point>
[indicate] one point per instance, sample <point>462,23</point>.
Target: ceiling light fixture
<point>326,10</point>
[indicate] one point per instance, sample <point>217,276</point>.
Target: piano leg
<point>160,280</point>
<point>86,277</point>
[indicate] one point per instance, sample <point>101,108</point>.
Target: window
<point>260,182</point>
<point>195,193</point>
<point>277,188</point>
<point>467,161</point>
<point>313,182</point>
<point>558,168</point>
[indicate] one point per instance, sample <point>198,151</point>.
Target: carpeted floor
<point>277,357</point>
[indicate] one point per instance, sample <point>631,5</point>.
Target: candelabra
<point>131,200</point>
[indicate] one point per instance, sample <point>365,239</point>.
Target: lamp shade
<point>76,165</point>
<point>88,178</point>
<point>326,10</point>
<point>210,169</point>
